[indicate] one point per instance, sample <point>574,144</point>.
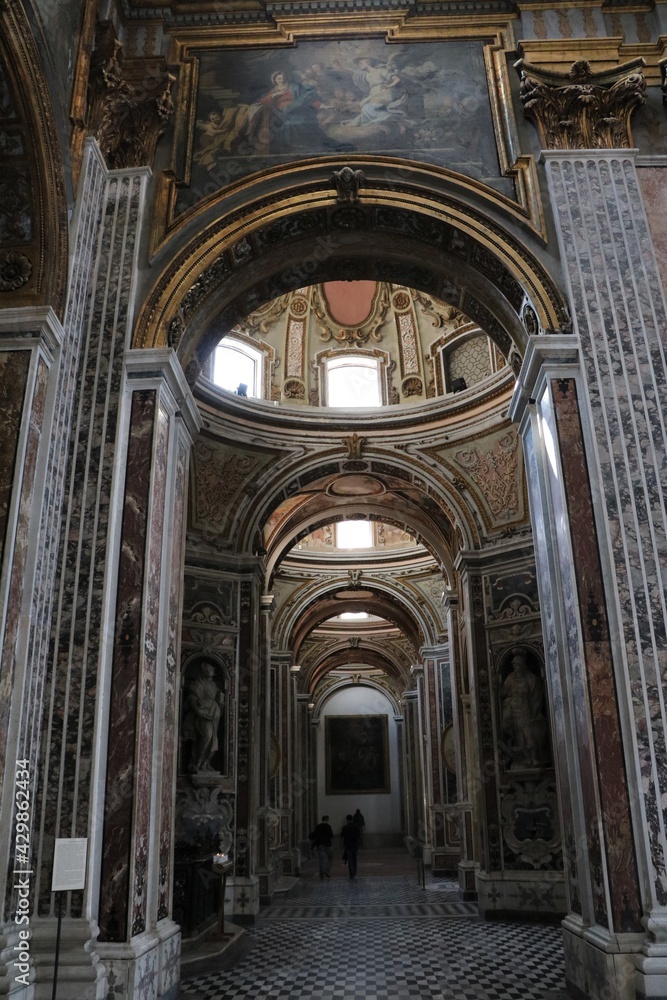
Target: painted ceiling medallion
<point>351,312</point>
<point>355,486</point>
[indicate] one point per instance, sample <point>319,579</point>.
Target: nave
<point>382,936</point>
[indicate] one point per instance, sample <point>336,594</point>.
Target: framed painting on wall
<point>357,754</point>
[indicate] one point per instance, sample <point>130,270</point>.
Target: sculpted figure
<point>204,702</point>
<point>523,720</point>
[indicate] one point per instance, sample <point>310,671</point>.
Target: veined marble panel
<point>620,313</point>
<point>123,786</point>
<point>592,849</point>
<point>170,720</point>
<point>623,884</point>
<point>147,671</point>
<point>553,678</point>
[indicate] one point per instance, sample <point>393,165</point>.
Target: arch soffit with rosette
<point>442,245</point>
<point>350,659</point>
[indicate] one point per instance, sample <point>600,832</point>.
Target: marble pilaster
<point>620,315</point>
<point>139,942</point>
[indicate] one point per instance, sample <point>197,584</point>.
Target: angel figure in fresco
<point>384,99</point>
<point>204,702</point>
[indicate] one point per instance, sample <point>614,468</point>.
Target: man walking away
<point>350,835</point>
<point>358,820</point>
<point>322,838</point>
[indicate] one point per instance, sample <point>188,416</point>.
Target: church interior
<point>333,477</point>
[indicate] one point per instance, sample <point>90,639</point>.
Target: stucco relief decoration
<point>409,352</point>
<point>582,109</point>
<point>127,116</point>
<point>496,475</point>
<point>219,475</point>
<point>295,337</point>
<point>530,822</point>
<point>294,389</point>
<point>205,818</point>
<point>15,271</point>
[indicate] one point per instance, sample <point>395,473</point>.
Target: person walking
<point>350,835</point>
<point>322,839</point>
<point>358,820</point>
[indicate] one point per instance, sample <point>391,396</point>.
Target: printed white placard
<point>69,864</point>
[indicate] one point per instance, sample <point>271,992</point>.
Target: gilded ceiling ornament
<point>347,183</point>
<point>15,271</point>
<point>582,109</point>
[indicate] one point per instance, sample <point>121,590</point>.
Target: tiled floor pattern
<point>385,938</point>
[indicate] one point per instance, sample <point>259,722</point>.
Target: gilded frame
<point>287,32</point>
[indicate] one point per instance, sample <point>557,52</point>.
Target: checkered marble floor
<point>386,938</point>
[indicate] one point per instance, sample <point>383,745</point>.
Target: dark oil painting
<point>357,754</point>
<point>259,109</point>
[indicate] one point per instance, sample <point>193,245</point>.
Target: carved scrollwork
<point>582,109</point>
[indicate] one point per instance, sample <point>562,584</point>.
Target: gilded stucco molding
<point>582,109</point>
<point>207,274</point>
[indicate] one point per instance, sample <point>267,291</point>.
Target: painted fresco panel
<point>357,754</point>
<point>260,109</point>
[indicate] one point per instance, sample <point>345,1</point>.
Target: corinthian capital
<point>129,106</point>
<point>582,109</point>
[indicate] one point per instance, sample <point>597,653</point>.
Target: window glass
<point>236,364</point>
<point>354,535</point>
<point>353,381</point>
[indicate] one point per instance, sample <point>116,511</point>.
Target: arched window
<point>353,380</point>
<point>237,364</point>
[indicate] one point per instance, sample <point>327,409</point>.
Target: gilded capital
<point>129,105</point>
<point>582,109</point>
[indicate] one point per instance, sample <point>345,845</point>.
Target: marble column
<point>266,814</point>
<point>415,826</point>
<point>305,776</point>
<point>285,787</point>
<point>593,412</point>
<point>244,883</point>
<point>138,941</point>
<point>440,780</point>
<point>462,746</point>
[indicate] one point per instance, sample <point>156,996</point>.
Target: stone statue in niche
<point>203,704</point>
<point>522,712</point>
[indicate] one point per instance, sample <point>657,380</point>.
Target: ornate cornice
<point>127,117</point>
<point>582,109</point>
